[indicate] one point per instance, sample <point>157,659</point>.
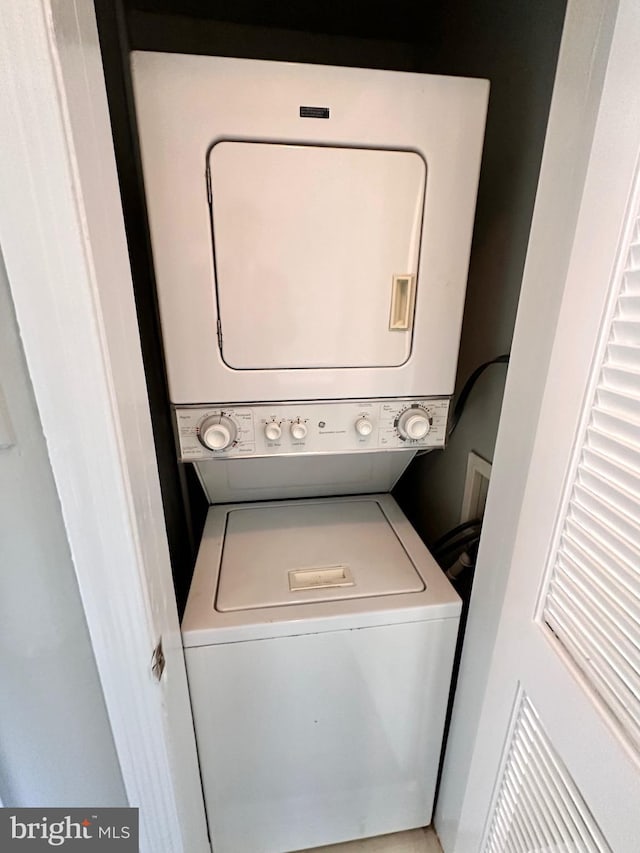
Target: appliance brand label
<point>314,112</point>
<point>69,829</point>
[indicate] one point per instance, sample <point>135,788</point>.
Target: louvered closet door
<point>592,604</point>
<point>556,763</point>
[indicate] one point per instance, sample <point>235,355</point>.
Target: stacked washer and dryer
<point>311,229</point>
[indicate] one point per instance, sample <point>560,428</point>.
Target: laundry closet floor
<point>415,841</point>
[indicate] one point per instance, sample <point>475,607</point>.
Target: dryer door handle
<point>402,302</point>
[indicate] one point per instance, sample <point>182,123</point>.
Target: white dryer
<point>319,637</point>
<point>311,229</point>
<point>310,225</point>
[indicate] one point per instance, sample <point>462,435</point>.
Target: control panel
<point>294,429</point>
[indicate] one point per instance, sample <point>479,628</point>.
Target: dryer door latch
<point>403,295</point>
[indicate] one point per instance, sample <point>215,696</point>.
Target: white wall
<point>56,747</point>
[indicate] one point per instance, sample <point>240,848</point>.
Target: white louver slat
<point>592,602</point>
<point>538,806</point>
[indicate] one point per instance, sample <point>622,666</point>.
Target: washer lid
<point>312,552</point>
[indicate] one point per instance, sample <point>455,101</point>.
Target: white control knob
<point>217,432</point>
<point>414,424</point>
<point>298,430</point>
<point>272,431</point>
<point>364,426</point>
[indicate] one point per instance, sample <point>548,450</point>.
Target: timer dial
<point>217,432</point>
<point>414,423</point>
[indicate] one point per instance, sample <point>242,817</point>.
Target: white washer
<point>319,638</point>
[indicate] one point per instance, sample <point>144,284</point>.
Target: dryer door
<point>316,252</point>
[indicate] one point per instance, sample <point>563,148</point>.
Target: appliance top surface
<point>282,568</point>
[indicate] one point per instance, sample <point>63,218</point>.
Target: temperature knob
<point>364,426</point>
<point>273,430</point>
<point>217,432</point>
<point>414,424</point>
<point>298,430</point>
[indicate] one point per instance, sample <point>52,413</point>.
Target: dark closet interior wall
<point>512,42</point>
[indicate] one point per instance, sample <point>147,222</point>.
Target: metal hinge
<point>220,334</point>
<point>209,195</point>
<point>158,661</point>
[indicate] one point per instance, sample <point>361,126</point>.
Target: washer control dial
<point>272,431</point>
<point>217,432</point>
<point>298,430</point>
<point>414,423</point>
<point>364,427</point>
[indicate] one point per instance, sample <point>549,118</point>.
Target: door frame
<point>63,241</point>
<point>62,235</point>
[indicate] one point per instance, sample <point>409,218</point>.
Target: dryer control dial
<point>298,430</point>
<point>364,427</point>
<point>217,432</point>
<point>414,423</point>
<point>272,430</point>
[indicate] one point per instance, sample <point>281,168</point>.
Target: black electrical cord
<point>456,546</point>
<point>451,534</point>
<point>467,388</point>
